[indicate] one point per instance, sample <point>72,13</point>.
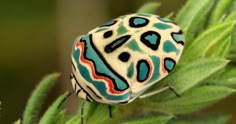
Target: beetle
<point>119,60</point>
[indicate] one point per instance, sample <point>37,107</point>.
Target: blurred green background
<point>36,39</point>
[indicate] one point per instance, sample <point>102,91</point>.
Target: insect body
<point>118,61</point>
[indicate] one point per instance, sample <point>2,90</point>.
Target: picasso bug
<point>117,61</point>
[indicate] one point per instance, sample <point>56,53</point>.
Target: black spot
<point>124,57</point>
<point>107,34</point>
<point>138,22</point>
<point>151,39</point>
<point>169,64</point>
<point>116,43</point>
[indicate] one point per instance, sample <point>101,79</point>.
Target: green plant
<point>205,75</point>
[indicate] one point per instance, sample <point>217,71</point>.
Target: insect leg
<point>110,111</point>
<point>65,98</point>
<point>173,90</point>
<point>166,87</point>
<point>82,113</point>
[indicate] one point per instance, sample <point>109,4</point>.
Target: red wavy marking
<point>94,75</point>
<point>151,68</point>
<point>163,67</point>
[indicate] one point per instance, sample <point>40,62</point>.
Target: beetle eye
<point>124,57</point>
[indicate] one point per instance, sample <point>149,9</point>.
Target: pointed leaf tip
<point>37,97</point>
<point>17,122</point>
<point>220,10</point>
<point>206,40</point>
<point>55,74</point>
<point>54,111</point>
<point>192,100</point>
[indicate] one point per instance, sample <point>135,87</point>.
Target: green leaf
<point>221,8</point>
<point>82,104</point>
<point>232,57</point>
<point>192,15</point>
<point>193,100</point>
<point>60,118</point>
<point>74,120</point>
<point>207,40</point>
<point>160,119</point>
<point>170,15</point>
<point>35,101</point>
<point>230,82</point>
<point>226,78</point>
<point>231,17</point>
<point>220,49</point>
<point>233,6</point>
<point>98,113</point>
<point>150,7</point>
<point>190,75</point>
<point>91,108</point>
<point>213,119</point>
<point>230,72</point>
<point>232,50</point>
<point>233,46</point>
<point>52,114</point>
<point>17,122</point>
<point>188,10</point>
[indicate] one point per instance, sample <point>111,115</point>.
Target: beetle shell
<point>117,61</point>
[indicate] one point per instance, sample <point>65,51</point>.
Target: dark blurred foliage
<point>29,50</point>
<point>32,45</point>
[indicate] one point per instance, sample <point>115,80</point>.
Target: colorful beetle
<point>116,62</point>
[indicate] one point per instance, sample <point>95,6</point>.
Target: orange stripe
<point>150,71</point>
<point>162,67</point>
<point>94,75</point>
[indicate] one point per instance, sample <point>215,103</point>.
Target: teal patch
<point>152,38</point>
<point>130,70</point>
<point>134,46</point>
<point>109,23</point>
<point>162,26</point>
<point>143,71</point>
<point>178,37</point>
<point>169,47</point>
<point>139,21</point>
<point>101,29</point>
<point>156,69</point>
<point>121,29</point>
<point>169,64</point>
